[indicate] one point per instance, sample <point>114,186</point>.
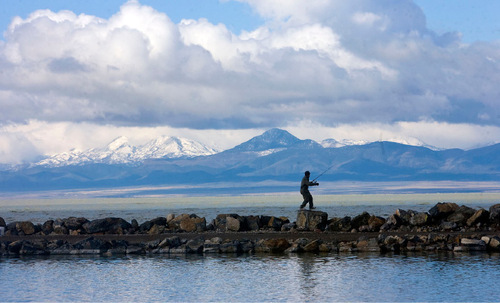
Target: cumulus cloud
<point>333,62</point>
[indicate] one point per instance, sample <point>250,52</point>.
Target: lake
<point>247,278</point>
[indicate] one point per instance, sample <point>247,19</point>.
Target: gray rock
<point>73,223</point>
<point>442,210</point>
<point>368,245</point>
<point>420,219</point>
<point>461,215</point>
<point>252,223</point>
<point>495,214</point>
<point>375,223</point>
<point>234,224</point>
<point>48,227</point>
<point>148,225</point>
<point>360,220</point>
<point>339,224</point>
<point>272,223</point>
<point>481,216</point>
<point>25,227</point>
<point>311,220</point>
<point>106,225</point>
<point>195,246</point>
<point>2,222</point>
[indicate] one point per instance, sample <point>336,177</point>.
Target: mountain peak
<point>118,143</point>
<point>273,138</point>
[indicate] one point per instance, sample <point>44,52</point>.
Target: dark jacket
<point>304,185</point>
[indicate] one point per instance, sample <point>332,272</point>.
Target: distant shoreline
<point>263,188</point>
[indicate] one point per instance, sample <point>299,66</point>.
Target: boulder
<point>73,223</point>
<point>272,245</point>
<point>2,222</point>
<point>368,245</point>
<point>234,224</point>
<point>339,224</point>
<point>442,210</point>
<point>404,215</point>
<point>219,223</point>
<point>26,227</point>
<point>230,247</point>
<point>312,246</point>
<point>375,223</point>
<point>148,225</point>
<point>272,223</point>
<point>193,224</point>
<point>252,223</point>
<point>91,245</point>
<point>48,227</point>
<point>35,248</point>
<point>59,228</point>
<point>461,215</point>
<point>481,216</point>
<point>170,217</point>
<point>212,246</point>
<point>420,219</point>
<point>360,220</point>
<point>311,220</point>
<point>195,246</point>
<point>495,214</point>
<point>106,225</point>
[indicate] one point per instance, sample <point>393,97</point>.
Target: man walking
<point>304,190</point>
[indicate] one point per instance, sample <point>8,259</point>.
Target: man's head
<point>307,173</point>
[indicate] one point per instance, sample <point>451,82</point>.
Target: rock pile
<point>442,228</point>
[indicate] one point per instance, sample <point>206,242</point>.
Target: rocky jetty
<point>445,227</point>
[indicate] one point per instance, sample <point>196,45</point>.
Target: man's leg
<point>305,201</point>
<point>311,205</point>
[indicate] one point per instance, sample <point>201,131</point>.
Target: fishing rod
<point>314,180</point>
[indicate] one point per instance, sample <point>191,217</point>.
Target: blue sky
<point>476,20</point>
<point>220,72</point>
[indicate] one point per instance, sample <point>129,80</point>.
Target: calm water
<point>253,278</point>
<point>297,278</point>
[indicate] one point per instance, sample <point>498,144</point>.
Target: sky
<point>77,74</point>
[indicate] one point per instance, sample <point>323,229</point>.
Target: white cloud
<point>335,62</point>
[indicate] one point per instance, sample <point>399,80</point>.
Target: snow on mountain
<point>332,143</point>
<point>119,151</point>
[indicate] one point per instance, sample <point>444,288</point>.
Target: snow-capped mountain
<point>119,151</point>
<point>332,143</point>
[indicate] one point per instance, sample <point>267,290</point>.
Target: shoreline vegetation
<point>445,227</point>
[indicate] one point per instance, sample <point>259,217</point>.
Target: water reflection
<point>251,278</point>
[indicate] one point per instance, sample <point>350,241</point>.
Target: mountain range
<point>273,157</point>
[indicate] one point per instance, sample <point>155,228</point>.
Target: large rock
<point>273,223</point>
<point>193,224</point>
<point>442,210</point>
<point>219,223</point>
<point>252,223</point>
<point>495,214</point>
<point>73,223</point>
<point>26,227</point>
<point>360,220</point>
<point>234,224</point>
<point>148,225</point>
<point>461,215</point>
<point>420,219</point>
<point>481,216</point>
<point>375,223</point>
<point>272,245</point>
<point>311,220</point>
<point>339,224</point>
<point>48,227</point>
<point>2,222</point>
<point>106,225</point>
